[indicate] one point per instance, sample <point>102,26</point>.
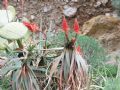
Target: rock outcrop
<point>106,29</point>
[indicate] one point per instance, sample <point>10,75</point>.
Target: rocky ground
<point>54,9</point>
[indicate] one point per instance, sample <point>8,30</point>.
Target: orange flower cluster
<point>31,26</point>
<point>76,29</point>
<point>65,26</point>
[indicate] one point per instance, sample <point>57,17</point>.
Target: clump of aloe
<point>70,68</point>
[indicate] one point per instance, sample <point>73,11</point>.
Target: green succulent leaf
<point>6,16</point>
<point>24,19</point>
<point>112,84</point>
<point>9,66</point>
<point>27,36</point>
<point>12,10</point>
<point>92,50</point>
<point>13,31</point>
<point>3,43</point>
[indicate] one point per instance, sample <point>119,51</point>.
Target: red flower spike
<point>5,3</point>
<point>31,26</point>
<point>76,26</point>
<point>79,50</point>
<point>65,25</point>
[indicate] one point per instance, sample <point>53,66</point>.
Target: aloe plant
<point>72,68</point>
<point>22,77</point>
<point>93,51</point>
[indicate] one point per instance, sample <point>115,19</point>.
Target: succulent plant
<point>116,5</point>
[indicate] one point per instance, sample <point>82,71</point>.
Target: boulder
<point>106,29</point>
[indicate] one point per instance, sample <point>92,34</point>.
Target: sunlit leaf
<point>9,66</point>
<point>6,16</point>
<point>13,30</point>
<point>3,43</point>
<point>12,9</point>
<point>81,62</point>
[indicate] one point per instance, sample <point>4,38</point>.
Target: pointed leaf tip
<point>76,26</point>
<point>65,25</point>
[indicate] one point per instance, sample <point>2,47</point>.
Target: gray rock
<point>69,11</point>
<point>47,8</point>
<point>113,57</point>
<point>74,0</point>
<point>101,2</point>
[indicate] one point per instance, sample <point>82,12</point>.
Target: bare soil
<point>37,9</point>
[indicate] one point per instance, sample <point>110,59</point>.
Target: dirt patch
<point>34,9</point>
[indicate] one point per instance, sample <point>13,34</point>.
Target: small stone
<point>114,15</point>
<point>32,17</point>
<point>69,11</point>
<point>74,0</point>
<point>47,9</point>
<point>25,14</point>
<point>66,1</point>
<point>104,2</point>
<point>107,14</point>
<point>98,3</point>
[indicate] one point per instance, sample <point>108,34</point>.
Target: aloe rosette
<point>71,66</point>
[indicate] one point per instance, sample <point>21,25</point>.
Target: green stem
<point>66,37</point>
<point>118,71</point>
<point>76,35</point>
<point>19,42</point>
